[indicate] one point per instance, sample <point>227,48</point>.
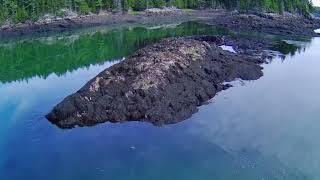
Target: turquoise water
<point>261,130</point>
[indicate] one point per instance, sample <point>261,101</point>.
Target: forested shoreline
<point>22,10</point>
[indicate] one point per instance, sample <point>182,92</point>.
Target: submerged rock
<point>163,83</point>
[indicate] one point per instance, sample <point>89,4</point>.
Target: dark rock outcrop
<point>276,24</point>
<point>163,83</point>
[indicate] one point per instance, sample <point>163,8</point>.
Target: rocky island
<point>162,83</point>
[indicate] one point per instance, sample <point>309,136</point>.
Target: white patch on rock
<point>228,48</point>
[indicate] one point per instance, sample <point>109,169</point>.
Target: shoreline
<point>275,24</point>
<point>110,20</point>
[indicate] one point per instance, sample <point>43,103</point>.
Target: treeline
<point>21,10</point>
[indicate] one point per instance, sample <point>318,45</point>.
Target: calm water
<point>267,129</point>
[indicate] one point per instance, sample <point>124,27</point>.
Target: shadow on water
<point>288,48</point>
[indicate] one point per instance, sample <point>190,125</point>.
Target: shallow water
<point>264,129</point>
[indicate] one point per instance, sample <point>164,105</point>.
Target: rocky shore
<point>285,24</point>
<point>163,83</point>
<point>114,20</point>
<point>277,24</point>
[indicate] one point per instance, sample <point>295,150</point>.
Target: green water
<point>261,130</point>
<point>59,54</point>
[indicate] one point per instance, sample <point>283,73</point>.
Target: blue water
<point>260,130</point>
